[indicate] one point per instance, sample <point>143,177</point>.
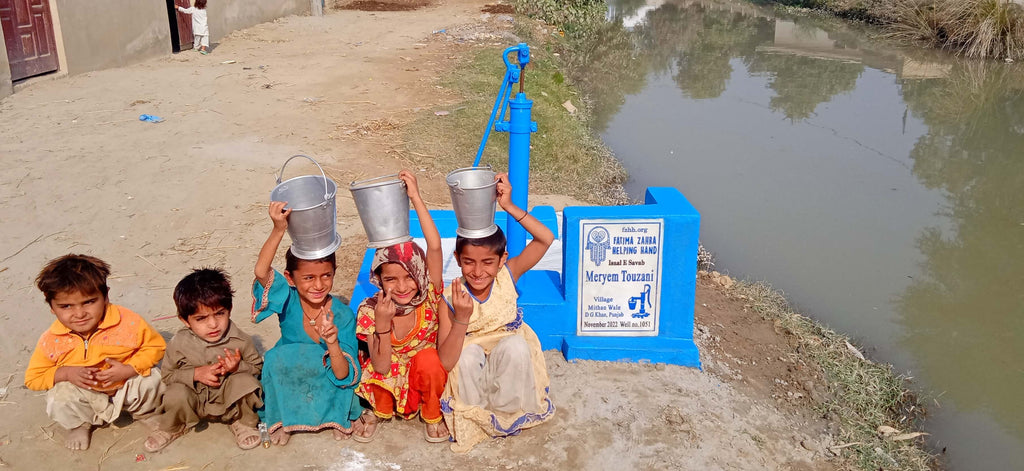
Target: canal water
<point>882,190</point>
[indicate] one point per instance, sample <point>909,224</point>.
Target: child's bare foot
<point>279,437</point>
<point>152,422</point>
<point>437,433</point>
<point>342,434</point>
<point>78,437</point>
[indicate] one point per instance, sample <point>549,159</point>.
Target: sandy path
<point>80,173</point>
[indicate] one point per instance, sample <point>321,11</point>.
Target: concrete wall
<point>6,88</point>
<point>101,34</point>
<point>225,16</point>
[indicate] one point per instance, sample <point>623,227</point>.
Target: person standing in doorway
<point>200,30</point>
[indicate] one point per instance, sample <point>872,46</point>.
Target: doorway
<point>28,35</point>
<point>181,25</point>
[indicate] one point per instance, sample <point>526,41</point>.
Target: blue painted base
<point>634,349</point>
<point>548,299</point>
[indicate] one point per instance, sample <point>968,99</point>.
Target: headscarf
<point>411,257</point>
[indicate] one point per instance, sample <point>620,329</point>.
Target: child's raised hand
<point>385,310</point>
<point>461,302</point>
<point>326,329</point>
<point>230,360</point>
<point>81,376</point>
<point>504,189</point>
<point>117,373</point>
<point>279,215</point>
<point>209,374</point>
<point>412,186</point>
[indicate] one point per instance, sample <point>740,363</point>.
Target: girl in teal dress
<point>310,376</point>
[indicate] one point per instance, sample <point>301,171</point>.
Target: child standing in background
<point>211,366</point>
<point>97,359</point>
<point>200,30</point>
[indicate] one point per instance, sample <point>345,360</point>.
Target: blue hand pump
<point>519,126</point>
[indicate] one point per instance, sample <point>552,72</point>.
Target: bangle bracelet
<point>525,213</point>
<point>458,321</point>
<point>382,333</point>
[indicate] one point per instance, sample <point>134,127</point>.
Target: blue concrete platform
<point>550,293</point>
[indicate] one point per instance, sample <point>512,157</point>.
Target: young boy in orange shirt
<point>97,359</point>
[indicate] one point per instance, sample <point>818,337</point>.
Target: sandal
<point>437,429</point>
<point>377,424</point>
<point>243,434</point>
<point>160,439</point>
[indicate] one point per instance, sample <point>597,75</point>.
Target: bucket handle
<point>360,182</point>
<point>457,187</point>
<point>327,194</point>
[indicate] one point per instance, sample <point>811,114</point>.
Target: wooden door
<point>184,25</point>
<point>28,34</point>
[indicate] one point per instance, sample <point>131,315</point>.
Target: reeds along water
<point>972,28</point>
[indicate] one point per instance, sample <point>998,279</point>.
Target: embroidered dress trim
<point>433,421</point>
<point>517,425</point>
<point>308,428</point>
<point>264,301</point>
<point>351,364</point>
<point>420,314</point>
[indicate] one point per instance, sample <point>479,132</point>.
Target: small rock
<point>569,107</point>
<point>853,350</point>
<point>886,431</point>
<point>885,456</point>
<point>809,445</point>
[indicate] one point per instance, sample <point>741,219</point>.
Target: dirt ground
<point>81,173</point>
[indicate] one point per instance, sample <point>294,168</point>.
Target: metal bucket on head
<point>474,197</point>
<point>383,205</point>
<point>313,223</point>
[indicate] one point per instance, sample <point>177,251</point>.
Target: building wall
<point>101,34</point>
<point>6,88</point>
<point>225,16</point>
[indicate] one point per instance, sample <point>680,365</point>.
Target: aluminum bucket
<point>313,223</point>
<point>383,205</point>
<point>474,197</point>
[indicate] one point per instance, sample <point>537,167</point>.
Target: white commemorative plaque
<point>620,277</point>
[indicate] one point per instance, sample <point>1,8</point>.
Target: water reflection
<point>948,302</point>
<point>967,310</point>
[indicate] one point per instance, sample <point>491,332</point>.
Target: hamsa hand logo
<point>598,242</point>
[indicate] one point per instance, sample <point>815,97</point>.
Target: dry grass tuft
<point>972,28</point>
<point>375,128</point>
<point>864,397</point>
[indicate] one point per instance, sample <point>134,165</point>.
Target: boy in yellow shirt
<point>97,359</point>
